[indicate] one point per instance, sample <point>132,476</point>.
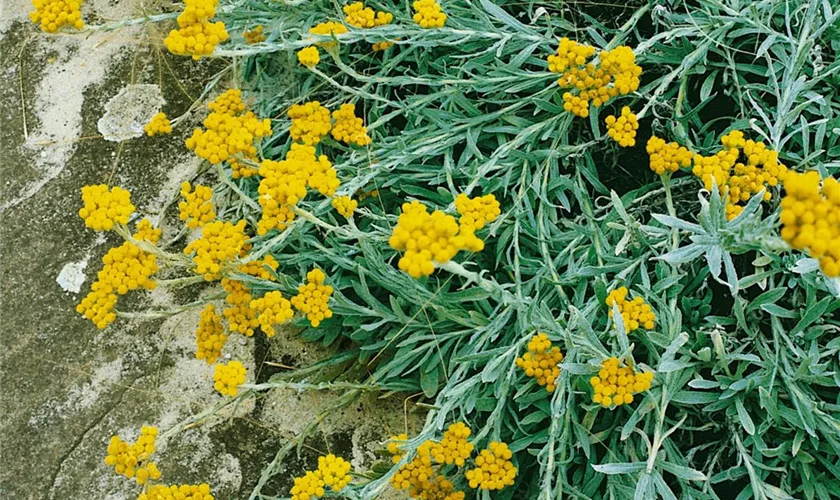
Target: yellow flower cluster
<point>131,460</point>
<point>345,205</point>
<point>623,129</point>
<point>419,476</point>
<point>158,125</point>
<point>197,208</point>
<point>428,238</point>
<point>177,492</point>
<point>328,28</point>
<point>477,212</point>
<point>227,377</point>
<point>494,470</point>
<point>53,14</point>
<point>229,132</point>
<point>667,157</point>
<point>284,184</point>
<point>741,169</point>
<point>428,14</point>
<point>308,487</point>
<point>272,309</point>
<point>356,14</point>
<point>239,314</point>
<point>811,218</point>
<point>335,472</point>
<point>615,74</point>
<point>615,385</point>
<point>255,35</point>
<point>635,313</point>
<point>125,268</point>
<point>145,231</point>
<point>313,298</point>
<point>196,35</point>
<point>309,57</point>
<point>541,360</point>
<point>104,208</point>
<point>310,122</point>
<point>210,336</point>
<point>454,447</point>
<point>332,472</point>
<point>220,243</point>
<point>348,128</point>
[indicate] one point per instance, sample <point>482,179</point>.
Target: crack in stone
<point>87,430</point>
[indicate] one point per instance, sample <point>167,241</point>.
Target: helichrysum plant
<point>422,211</point>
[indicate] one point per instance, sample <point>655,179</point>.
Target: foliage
<point>745,348</point>
<point>744,401</point>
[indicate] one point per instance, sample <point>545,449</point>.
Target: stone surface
<point>66,386</point>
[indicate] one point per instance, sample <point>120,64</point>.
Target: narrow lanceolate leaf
<point>620,468</point>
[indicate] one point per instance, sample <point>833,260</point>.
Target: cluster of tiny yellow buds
<point>131,459</point>
<point>104,208</point>
<point>331,28</point>
<point>494,469</point>
<point>428,14</point>
<point>616,73</point>
<point>667,156</point>
<point>356,14</point>
<point>615,384</point>
<point>541,360</point>
<point>310,122</point>
<point>255,35</point>
<point>227,378</point>
<point>238,312</point>
<point>437,488</point>
<point>345,205</point>
<point>145,231</point>
<point>348,128</point>
<point>158,125</point>
<point>53,14</point>
<point>228,132</point>
<point>313,298</point>
<point>98,305</point>
<point>125,268</point>
<point>210,336</point>
<point>623,129</point>
<point>196,35</point>
<point>284,184</point>
<point>197,208</point>
<point>308,487</point>
<point>454,447</point>
<point>635,313</point>
<point>335,472</point>
<point>228,102</point>
<point>220,243</point>
<point>272,309</point>
<point>477,212</point>
<point>811,218</point>
<point>309,56</point>
<point>416,476</point>
<point>241,318</point>
<point>394,446</point>
<point>428,238</point>
<point>569,54</point>
<point>177,492</point>
<point>740,170</point>
<point>379,46</point>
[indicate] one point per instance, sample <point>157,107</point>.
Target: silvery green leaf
<point>619,468</point>
<point>684,254</point>
<point>676,223</point>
